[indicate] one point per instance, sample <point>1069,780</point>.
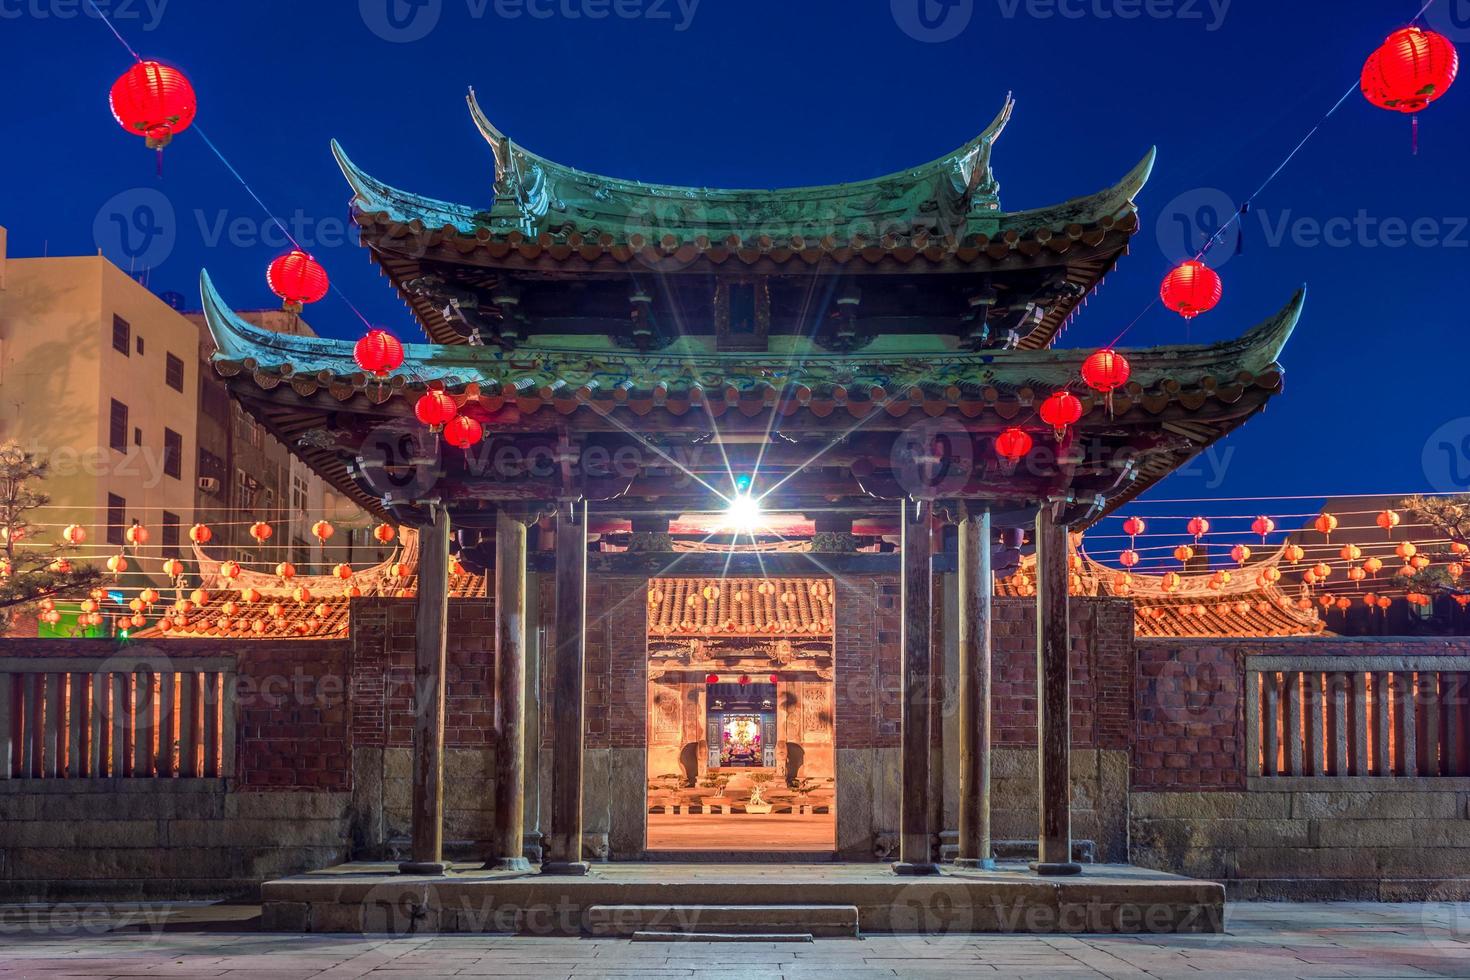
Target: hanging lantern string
<point>230,167</point>
<point>1245,206</point>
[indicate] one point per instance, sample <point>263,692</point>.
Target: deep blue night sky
<point>761,93</point>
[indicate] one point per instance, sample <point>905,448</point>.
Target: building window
<point>211,467</point>
<point>137,437</point>
<point>245,488</point>
<point>170,535</point>
<point>116,515</point>
<point>117,427</point>
<point>298,494</point>
<point>173,454</point>
<point>173,372</point>
<point>139,343</point>
<point>122,333</point>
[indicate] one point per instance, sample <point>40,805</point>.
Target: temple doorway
<point>741,723</point>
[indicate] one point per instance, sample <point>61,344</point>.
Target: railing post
<point>7,723</point>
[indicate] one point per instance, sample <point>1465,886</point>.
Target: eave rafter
<point>1181,399</point>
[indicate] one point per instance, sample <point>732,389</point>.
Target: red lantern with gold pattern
<point>1191,289</point>
<point>379,353</point>
<point>435,409</point>
<point>154,101</point>
<point>1411,69</point>
<point>1263,526</point>
<point>1061,411</point>
<point>298,279</point>
<point>1106,371</point>
<point>464,432</point>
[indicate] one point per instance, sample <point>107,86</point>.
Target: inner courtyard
<point>741,715</point>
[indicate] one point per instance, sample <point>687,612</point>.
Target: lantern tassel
<point>1416,134</point>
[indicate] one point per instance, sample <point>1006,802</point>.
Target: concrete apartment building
<point>112,386</point>
<point>100,377</point>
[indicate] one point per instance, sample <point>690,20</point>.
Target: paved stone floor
<point>741,832</point>
<point>1264,941</point>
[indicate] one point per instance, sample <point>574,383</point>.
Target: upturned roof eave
<point>1255,353</point>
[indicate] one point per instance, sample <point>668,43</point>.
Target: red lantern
<point>1191,289</point>
<point>154,101</point>
<point>1388,520</point>
<point>464,432</point>
<point>298,279</point>
<point>775,678</point>
<point>1413,68</point>
<point>1061,411</point>
<point>1263,526</point>
<point>436,410</point>
<point>1134,526</point>
<point>744,680</point>
<point>1013,445</point>
<point>1129,558</point>
<point>1241,554</point>
<point>261,532</point>
<point>200,534</point>
<point>1106,371</point>
<point>1325,525</point>
<point>712,679</point>
<point>379,353</point>
<point>322,530</point>
<point>1199,527</point>
<point>384,533</point>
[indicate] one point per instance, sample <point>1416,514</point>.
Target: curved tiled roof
<point>740,607</point>
<point>1242,604</point>
<point>944,215</point>
<point>567,379</point>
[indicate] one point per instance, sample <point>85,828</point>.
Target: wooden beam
<point>564,842</point>
<point>1053,699</point>
<point>427,850</point>
<point>977,592</point>
<point>510,694</point>
<point>916,830</point>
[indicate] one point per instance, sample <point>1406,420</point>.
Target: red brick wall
<point>1101,661</point>
<point>617,662</point>
<point>1190,729</point>
<point>292,715</point>
<point>869,633</point>
<point>383,641</point>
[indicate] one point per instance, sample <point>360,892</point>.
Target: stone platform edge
<point>955,903</point>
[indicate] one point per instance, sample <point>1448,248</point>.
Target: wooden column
<point>564,841</point>
<point>510,694</point>
<point>916,830</point>
<point>427,850</point>
<point>977,590</point>
<point>1053,699</point>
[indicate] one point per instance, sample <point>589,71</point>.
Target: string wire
<point>234,171</point>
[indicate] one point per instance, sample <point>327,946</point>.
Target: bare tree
<point>31,568</point>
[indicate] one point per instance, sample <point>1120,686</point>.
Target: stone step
<point>723,937</point>
<point>826,921</point>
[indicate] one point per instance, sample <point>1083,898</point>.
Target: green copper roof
<point>589,369</point>
<point>953,198</point>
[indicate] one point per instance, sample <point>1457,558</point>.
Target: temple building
<point>738,478</point>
